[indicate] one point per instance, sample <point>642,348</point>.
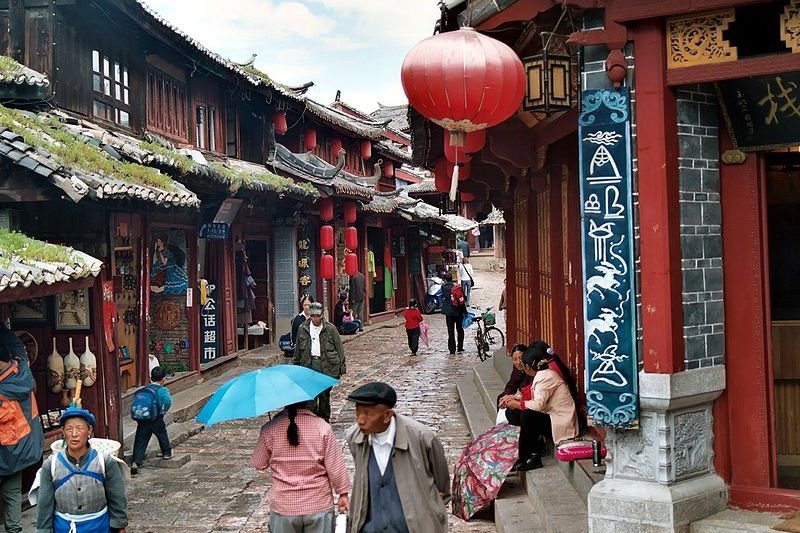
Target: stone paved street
<point>218,490</point>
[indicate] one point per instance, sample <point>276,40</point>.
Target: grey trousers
<point>11,500</point>
<point>310,523</point>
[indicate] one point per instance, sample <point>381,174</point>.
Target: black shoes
<point>532,462</point>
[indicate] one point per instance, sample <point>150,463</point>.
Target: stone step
<point>582,475</point>
<point>559,506</point>
<point>489,384</point>
<point>478,418</point>
<point>513,511</point>
<point>732,520</point>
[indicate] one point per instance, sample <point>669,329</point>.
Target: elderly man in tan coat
<point>402,482</point>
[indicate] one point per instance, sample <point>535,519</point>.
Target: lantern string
<point>454,183</point>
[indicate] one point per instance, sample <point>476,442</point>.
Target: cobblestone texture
<point>218,490</point>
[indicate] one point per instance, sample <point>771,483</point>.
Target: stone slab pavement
<point>218,490</point>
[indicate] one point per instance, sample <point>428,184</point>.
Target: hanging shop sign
<point>612,395</point>
<point>762,112</point>
<point>209,324</point>
<point>215,230</point>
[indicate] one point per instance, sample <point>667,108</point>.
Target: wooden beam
<point>659,206</point>
<point>522,11</point>
<point>743,68</point>
<point>555,127</point>
<point>37,291</point>
<point>631,10</point>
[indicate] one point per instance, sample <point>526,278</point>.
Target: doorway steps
<point>737,521</point>
<point>551,499</point>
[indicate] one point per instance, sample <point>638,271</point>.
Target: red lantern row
<point>326,237</point>
<point>326,209</point>
<point>351,238</point>
<point>279,119</point>
<point>350,264</point>
<point>310,138</point>
<point>349,212</point>
<point>366,149</point>
<point>326,266</point>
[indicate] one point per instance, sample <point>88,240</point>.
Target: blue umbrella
<point>264,390</point>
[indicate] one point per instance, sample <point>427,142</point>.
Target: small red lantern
<point>473,142</point>
<point>349,212</point>
<point>366,149</point>
<point>279,119</point>
<point>456,154</point>
<point>442,181</point>
<point>326,209</point>
<point>388,169</point>
<point>310,138</point>
<point>351,238</point>
<point>336,147</point>
<point>467,196</point>
<point>326,266</point>
<point>351,264</point>
<point>326,237</point>
<point>464,171</point>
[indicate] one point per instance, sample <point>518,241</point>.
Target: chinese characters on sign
<point>607,228</point>
<point>762,112</point>
<point>215,230</point>
<point>209,330</point>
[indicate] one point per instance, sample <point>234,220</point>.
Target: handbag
<point>471,281</point>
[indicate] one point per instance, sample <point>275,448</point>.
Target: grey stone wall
<point>701,219</point>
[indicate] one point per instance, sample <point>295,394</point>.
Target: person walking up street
<point>358,293</point>
<point>152,423</point>
<point>466,277</point>
<point>402,481</point>
<point>454,309</point>
<point>306,462</point>
<point>21,438</point>
<point>414,320</point>
<point>320,348</point>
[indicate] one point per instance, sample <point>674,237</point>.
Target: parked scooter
<point>433,302</point>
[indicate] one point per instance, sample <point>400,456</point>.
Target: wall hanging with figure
<point>168,271</point>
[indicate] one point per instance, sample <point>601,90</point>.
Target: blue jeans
<point>466,286</point>
<point>348,328</point>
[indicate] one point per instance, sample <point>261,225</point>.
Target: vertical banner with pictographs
<point>604,131</point>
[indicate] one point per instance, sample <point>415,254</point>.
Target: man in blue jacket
<point>20,431</point>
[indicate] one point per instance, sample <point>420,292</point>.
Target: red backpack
<point>457,296</point>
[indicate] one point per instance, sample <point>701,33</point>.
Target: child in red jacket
<point>413,320</point>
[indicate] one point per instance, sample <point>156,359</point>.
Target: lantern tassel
<point>454,184</point>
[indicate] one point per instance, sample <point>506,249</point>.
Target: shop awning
<point>31,268</point>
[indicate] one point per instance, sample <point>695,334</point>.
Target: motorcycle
<point>433,301</point>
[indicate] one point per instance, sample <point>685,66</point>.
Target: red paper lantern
<point>326,266</point>
<point>310,138</point>
<point>336,147</point>
<point>351,238</point>
<point>455,154</point>
<point>464,171</point>
<point>279,119</point>
<point>388,169</point>
<point>351,264</point>
<point>366,150</point>
<point>467,196</point>
<point>349,212</point>
<point>326,237</point>
<point>473,141</point>
<point>442,182</point>
<point>326,209</point>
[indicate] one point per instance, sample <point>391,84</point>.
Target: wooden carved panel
<point>790,26</point>
<point>698,39</point>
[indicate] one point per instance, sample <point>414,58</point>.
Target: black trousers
<point>413,340</point>
<point>322,405</point>
<point>455,322</point>
<point>145,430</point>
<point>534,430</point>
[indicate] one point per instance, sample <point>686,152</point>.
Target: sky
<point>356,46</point>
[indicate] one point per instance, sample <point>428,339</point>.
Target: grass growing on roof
<point>183,163</point>
<point>14,244</point>
<point>235,179</point>
<point>8,67</point>
<point>71,151</point>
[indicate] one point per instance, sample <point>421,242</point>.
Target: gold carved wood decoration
<point>790,26</point>
<point>698,40</point>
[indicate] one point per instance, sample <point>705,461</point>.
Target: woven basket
<point>106,446</point>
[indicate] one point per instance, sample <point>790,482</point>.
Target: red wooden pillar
<point>659,207</point>
<point>511,251</point>
<point>557,235</point>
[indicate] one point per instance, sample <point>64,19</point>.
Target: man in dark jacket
<point>320,348</point>
<point>20,433</point>
<point>358,293</point>
<point>454,314</point>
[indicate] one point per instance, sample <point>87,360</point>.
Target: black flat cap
<point>374,393</point>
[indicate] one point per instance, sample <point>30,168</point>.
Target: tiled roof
<point>25,262</point>
<point>393,150</point>
<point>416,211</point>
<point>397,115</point>
<point>369,129</point>
<point>15,73</point>
<point>494,218</point>
<point>230,65</point>
<point>424,187</point>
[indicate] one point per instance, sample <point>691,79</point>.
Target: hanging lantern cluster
<point>326,238</point>
<point>350,239</point>
<point>465,82</point>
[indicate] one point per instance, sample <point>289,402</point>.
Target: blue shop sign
<point>215,230</point>
<point>612,395</point>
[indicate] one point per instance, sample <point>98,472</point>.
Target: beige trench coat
<point>421,474</point>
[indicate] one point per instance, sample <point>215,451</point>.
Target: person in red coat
<point>413,318</point>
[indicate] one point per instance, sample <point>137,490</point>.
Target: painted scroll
<point>608,260</point>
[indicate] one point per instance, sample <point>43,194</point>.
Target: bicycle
<point>488,337</point>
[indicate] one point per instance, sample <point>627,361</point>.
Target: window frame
<point>111,89</point>
<point>167,105</point>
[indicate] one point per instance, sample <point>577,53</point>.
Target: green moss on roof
<point>263,76</point>
<point>183,163</point>
<point>236,179</point>
<point>8,67</point>
<point>70,151</point>
<point>16,245</point>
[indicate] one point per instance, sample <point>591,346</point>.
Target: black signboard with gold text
<point>762,112</point>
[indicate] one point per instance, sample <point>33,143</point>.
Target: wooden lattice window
<point>545,273</point>
<point>522,274</point>
<point>111,89</point>
<point>167,106</point>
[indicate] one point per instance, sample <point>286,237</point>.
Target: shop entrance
<point>376,272</point>
<point>783,223</point>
